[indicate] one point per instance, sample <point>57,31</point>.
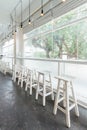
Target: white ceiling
<point>6,8</point>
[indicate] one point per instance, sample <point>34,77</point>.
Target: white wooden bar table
<point>44,87</point>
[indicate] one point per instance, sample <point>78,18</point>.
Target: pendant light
<point>42,13</point>
<point>63,0</point>
<point>21,15</point>
<point>29,13</point>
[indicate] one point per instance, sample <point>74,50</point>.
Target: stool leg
<point>56,100</point>
<point>64,95</point>
<point>67,107</point>
<point>26,87</point>
<point>52,95</point>
<point>38,86</point>
<point>31,85</point>
<point>27,83</point>
<point>21,83</point>
<point>30,89</point>
<point>18,81</point>
<point>44,93</point>
<point>14,76</point>
<point>37,91</point>
<point>75,100</point>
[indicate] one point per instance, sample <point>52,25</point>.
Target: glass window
<point>62,37</point>
<point>8,48</point>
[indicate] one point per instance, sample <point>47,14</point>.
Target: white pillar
<point>20,45</point>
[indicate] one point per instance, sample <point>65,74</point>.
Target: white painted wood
<point>20,45</point>
<point>31,80</point>
<point>67,85</point>
<point>44,87</point>
<point>75,100</point>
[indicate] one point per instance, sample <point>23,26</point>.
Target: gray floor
<point>19,111</point>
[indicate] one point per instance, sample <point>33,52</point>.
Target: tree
<point>44,43</point>
<point>66,41</point>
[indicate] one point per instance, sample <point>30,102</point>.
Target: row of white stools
<point>34,79</point>
<point>43,84</point>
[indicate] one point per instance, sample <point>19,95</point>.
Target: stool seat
<point>65,85</point>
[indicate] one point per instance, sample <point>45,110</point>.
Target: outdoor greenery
<point>60,37</point>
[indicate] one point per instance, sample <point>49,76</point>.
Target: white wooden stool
<point>44,87</point>
<point>17,71</point>
<point>31,81</point>
<point>21,75</point>
<point>63,94</point>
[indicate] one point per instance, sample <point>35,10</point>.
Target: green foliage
<point>39,54</point>
<point>44,43</point>
<point>71,39</point>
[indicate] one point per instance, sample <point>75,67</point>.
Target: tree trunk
<point>47,54</point>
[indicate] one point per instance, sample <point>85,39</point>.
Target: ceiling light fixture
<point>29,13</point>
<point>21,16</point>
<point>42,13</point>
<point>63,0</point>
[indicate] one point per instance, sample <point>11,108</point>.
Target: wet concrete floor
<point>20,111</point>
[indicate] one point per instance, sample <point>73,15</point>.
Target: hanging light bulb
<point>29,14</point>
<point>21,16</point>
<point>21,25</point>
<point>29,22</point>
<point>63,0</point>
<point>42,13</point>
